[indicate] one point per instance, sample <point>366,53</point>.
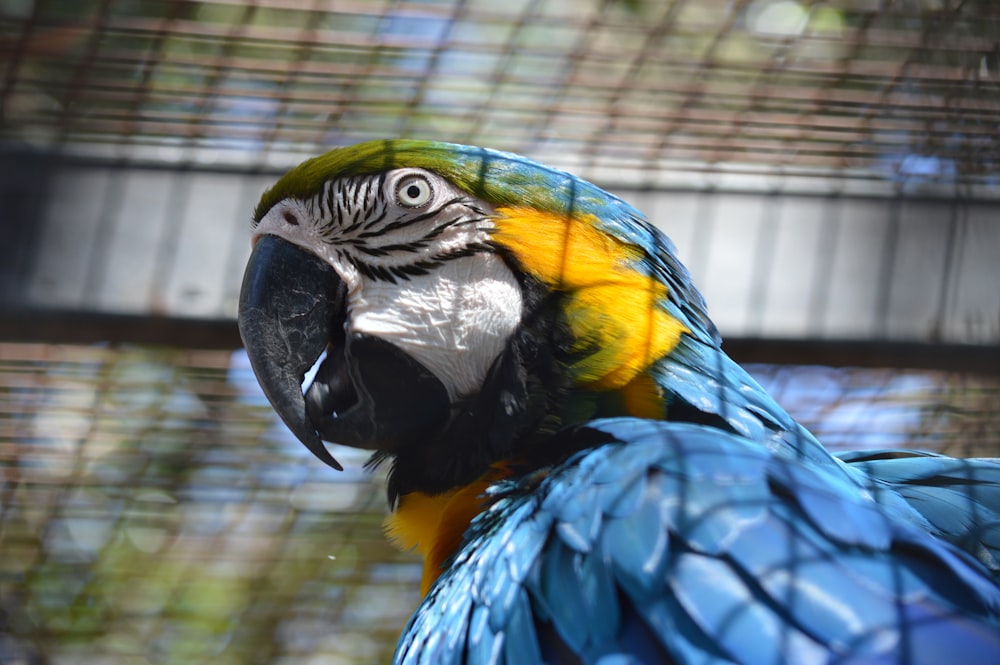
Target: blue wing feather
<point>692,545</point>
<point>959,498</point>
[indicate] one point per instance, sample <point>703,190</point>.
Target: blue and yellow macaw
<point>587,475</point>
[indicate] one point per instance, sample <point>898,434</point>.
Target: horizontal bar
<point>72,327</point>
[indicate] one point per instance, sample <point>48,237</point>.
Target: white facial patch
<point>455,320</point>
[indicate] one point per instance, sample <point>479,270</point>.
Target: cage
<point>829,172</point>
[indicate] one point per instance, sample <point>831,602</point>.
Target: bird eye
<point>414,191</point>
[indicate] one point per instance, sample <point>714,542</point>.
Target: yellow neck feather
<point>433,525</point>
<point>614,311</point>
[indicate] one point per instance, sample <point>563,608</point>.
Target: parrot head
<point>459,305</point>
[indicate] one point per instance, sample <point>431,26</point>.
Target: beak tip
<point>316,446</point>
<point>330,460</point>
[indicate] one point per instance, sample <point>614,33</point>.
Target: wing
<point>959,498</point>
<point>689,545</point>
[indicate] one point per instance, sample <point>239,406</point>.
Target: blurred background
<point>830,172</point>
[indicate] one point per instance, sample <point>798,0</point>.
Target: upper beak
<point>292,304</point>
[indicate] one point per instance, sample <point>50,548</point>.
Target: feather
<point>959,499</point>
<point>728,554</point>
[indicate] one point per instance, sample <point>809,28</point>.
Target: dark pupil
<point>413,191</point>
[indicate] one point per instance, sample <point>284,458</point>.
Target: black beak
<point>367,393</point>
<point>291,305</point>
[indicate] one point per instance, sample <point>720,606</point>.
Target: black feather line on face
<point>354,213</point>
<point>350,204</point>
<point>407,270</point>
<point>370,251</point>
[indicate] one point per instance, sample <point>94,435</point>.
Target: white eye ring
<point>414,191</point>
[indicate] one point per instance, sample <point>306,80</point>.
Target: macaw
<point>587,475</point>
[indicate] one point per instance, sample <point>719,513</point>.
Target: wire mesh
<point>154,510</point>
<point>904,89</point>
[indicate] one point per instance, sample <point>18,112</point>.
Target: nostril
<point>291,218</point>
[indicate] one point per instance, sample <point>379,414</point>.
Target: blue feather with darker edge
<point>959,498</point>
<point>679,543</point>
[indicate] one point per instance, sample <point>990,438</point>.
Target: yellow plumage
<point>613,309</point>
